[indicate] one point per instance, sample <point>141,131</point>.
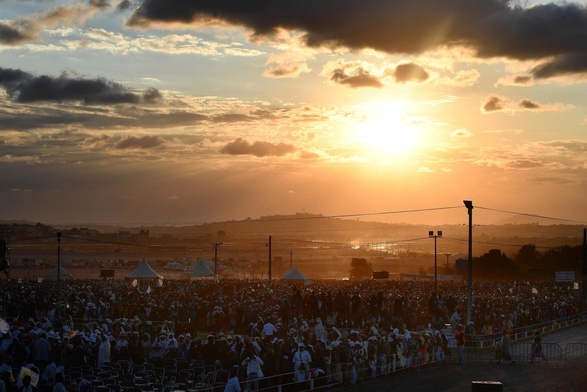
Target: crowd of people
<point>349,328</point>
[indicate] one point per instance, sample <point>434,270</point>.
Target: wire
<point>350,215</point>
<point>531,215</point>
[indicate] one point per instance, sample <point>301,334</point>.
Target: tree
<point>494,265</point>
<point>527,257</point>
<point>360,269</point>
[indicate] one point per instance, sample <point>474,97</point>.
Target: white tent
<point>63,274</point>
<point>293,274</point>
<point>143,273</point>
<point>201,270</point>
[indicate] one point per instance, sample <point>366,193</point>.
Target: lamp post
<point>432,235</point>
<point>216,245</point>
<point>268,245</point>
<point>469,205</point>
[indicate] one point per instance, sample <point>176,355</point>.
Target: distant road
<point>520,377</point>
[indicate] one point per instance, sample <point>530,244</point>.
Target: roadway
<point>558,376</point>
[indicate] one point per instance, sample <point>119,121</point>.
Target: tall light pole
<point>432,235</point>
<point>216,245</point>
<point>268,245</point>
<point>469,205</point>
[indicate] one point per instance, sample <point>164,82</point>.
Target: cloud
<point>286,71</point>
<point>24,87</point>
<point>352,74</point>
<point>240,146</point>
<point>460,133</point>
<point>494,103</point>
<point>525,164</point>
<point>100,4</point>
<point>568,64</point>
<point>528,104</point>
<point>231,118</point>
<point>27,29</point>
<point>143,142</point>
<point>289,64</point>
<point>516,80</point>
<point>152,95</point>
<point>14,34</point>
<point>492,28</point>
<point>124,5</point>
<point>410,72</point>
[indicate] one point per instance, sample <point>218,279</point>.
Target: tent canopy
<point>201,270</point>
<point>294,274</point>
<point>144,272</point>
<point>63,274</point>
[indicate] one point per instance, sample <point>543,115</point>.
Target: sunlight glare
<point>384,130</point>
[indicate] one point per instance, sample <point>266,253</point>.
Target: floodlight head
<point>430,233</point>
<point>439,233</point>
<point>468,203</point>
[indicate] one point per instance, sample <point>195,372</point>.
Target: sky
<point>167,111</point>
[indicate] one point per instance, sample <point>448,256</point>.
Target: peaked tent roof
<point>63,274</point>
<point>201,270</point>
<point>294,274</point>
<point>144,271</point>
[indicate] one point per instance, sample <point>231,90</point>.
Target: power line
<point>350,215</point>
<point>531,215</point>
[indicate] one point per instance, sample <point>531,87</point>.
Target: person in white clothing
<point>269,329</point>
<point>103,351</point>
<point>232,385</point>
<point>302,360</point>
<point>253,364</point>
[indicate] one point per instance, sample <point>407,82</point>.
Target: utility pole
<point>268,245</point>
<point>58,255</point>
<point>469,205</point>
<point>432,235</point>
<point>447,255</point>
<point>216,245</point>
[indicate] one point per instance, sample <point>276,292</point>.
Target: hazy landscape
<point>319,246</point>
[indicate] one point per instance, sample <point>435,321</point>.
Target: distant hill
<point>527,220</point>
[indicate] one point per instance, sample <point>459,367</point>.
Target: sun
<point>384,129</point>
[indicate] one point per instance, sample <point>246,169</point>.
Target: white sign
<point>565,276</point>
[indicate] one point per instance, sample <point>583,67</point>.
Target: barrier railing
<point>526,332</point>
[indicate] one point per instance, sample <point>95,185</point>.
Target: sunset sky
<point>196,111</point>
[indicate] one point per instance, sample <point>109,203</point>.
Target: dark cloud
<point>528,104</point>
<point>11,35</point>
<point>144,142</point>
<point>24,87</point>
<point>259,149</point>
<point>410,72</point>
<point>522,79</point>
<point>492,103</point>
<point>494,28</point>
<point>42,117</point>
<point>152,95</point>
<point>359,78</point>
<point>562,65</point>
<point>124,5</point>
<point>100,4</point>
